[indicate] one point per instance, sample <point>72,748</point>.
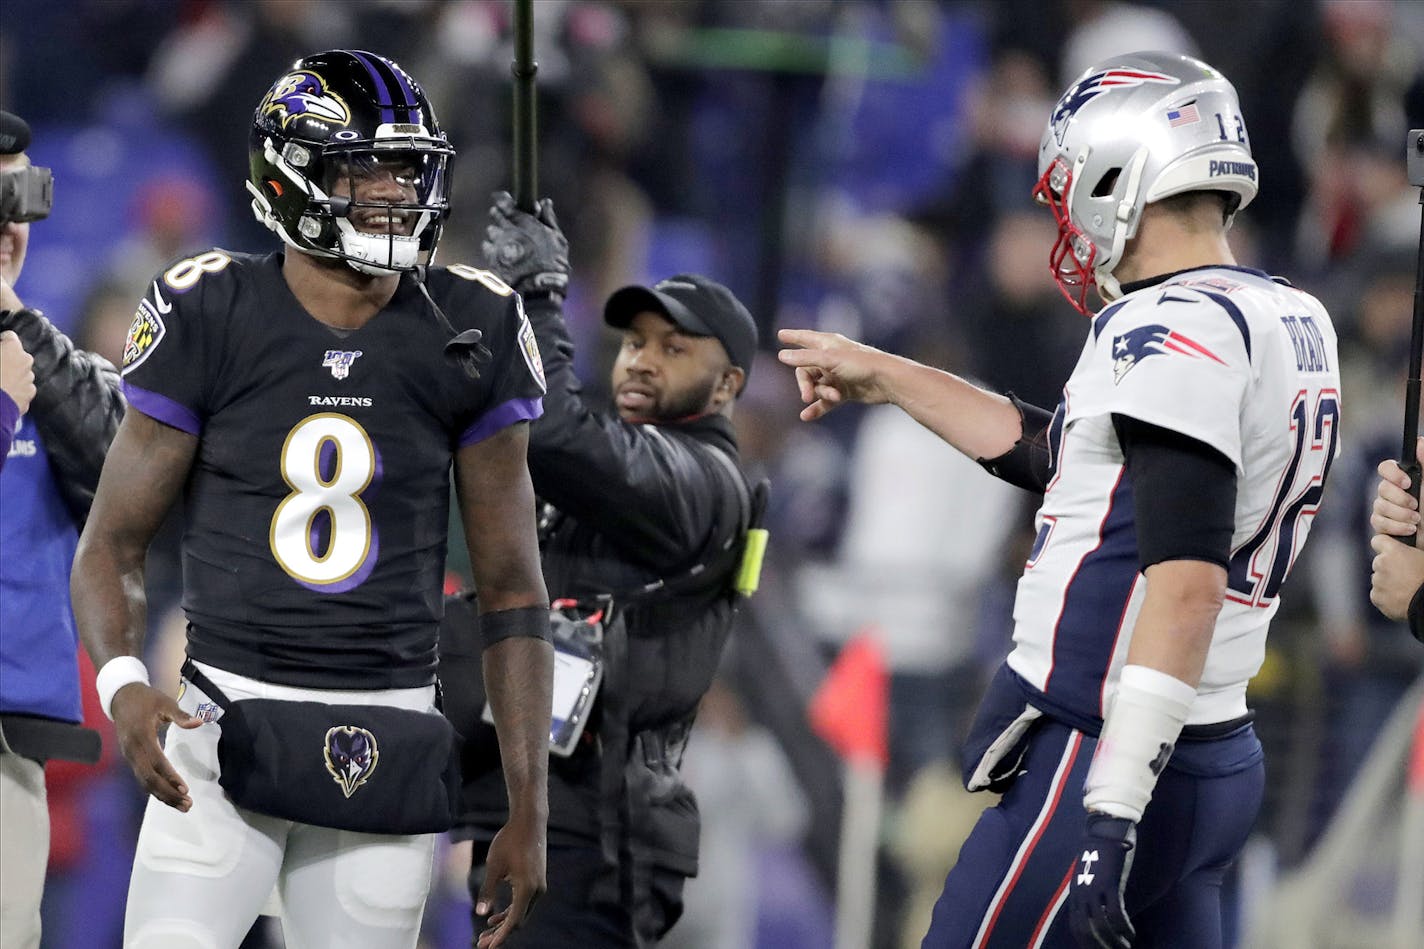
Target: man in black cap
<point>47,482</point>
<point>647,504</point>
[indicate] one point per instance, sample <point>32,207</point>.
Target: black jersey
<point>318,503</point>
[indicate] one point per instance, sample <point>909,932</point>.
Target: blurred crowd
<point>861,166</point>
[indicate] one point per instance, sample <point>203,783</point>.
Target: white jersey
<point>1225,355</point>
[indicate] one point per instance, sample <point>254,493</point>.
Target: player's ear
<point>730,384</point>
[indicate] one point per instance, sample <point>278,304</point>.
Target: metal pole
<point>525,167</point>
<point>1414,159</point>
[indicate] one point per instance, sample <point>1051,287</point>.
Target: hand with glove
<point>527,251</point>
<point>1096,905</point>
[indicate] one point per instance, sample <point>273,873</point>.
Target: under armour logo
<point>1163,755</point>
<point>1086,877</point>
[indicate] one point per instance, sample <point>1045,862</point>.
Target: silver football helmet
<point>1134,129</point>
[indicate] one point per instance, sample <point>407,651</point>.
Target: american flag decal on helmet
<point>1090,87</point>
<point>1132,347</point>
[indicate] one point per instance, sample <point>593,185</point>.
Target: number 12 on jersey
<point>1259,566</point>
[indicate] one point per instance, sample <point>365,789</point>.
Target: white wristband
<point>1138,736</point>
<point>117,673</point>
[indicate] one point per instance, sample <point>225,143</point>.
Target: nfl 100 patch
<point>351,754</point>
<point>339,361</point>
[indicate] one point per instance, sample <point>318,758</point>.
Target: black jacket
<point>629,504</point>
<point>76,409</point>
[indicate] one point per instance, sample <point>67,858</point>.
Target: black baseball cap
<point>14,134</point>
<point>699,306</point>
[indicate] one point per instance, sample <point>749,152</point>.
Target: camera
<point>26,194</point>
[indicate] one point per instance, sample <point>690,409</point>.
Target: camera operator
<point>51,469</point>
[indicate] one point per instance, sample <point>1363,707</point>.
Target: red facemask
<point>1071,271</point>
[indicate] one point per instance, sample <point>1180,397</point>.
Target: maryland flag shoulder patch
<point>529,346</point>
<point>145,333</point>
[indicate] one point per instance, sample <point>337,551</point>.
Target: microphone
<point>466,340</point>
<point>466,349</point>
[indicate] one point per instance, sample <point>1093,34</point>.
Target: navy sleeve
<point>1184,494</point>
<point>9,417</point>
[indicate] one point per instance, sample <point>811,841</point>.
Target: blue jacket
<point>39,671</point>
<point>46,486</point>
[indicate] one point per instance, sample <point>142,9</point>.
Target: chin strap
<point>1108,287</point>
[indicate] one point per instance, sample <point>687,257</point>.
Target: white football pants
<point>200,879</point>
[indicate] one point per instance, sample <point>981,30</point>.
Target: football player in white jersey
<point>1180,475</point>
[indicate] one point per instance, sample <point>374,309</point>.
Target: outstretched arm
<point>148,465</point>
<point>497,507</point>
<point>832,370</point>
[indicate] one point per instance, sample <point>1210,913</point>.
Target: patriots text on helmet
<point>1245,169</point>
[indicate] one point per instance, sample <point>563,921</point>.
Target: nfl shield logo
<point>340,361</point>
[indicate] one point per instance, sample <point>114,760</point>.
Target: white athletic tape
<point>1141,730</point>
<point>117,673</point>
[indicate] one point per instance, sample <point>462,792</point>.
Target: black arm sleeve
<point>77,407</point>
<point>1029,464</point>
<point>1183,494</point>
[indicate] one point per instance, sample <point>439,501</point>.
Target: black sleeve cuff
<point>532,621</point>
<point>1029,464</point>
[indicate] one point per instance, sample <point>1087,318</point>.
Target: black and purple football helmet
<point>329,119</point>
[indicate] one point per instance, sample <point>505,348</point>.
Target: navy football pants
<point>1008,889</point>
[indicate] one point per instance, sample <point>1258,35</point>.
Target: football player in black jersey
<point>308,405</point>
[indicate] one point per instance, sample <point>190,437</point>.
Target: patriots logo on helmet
<point>351,756</point>
<point>305,93</point>
<point>1132,347</point>
<point>1090,87</point>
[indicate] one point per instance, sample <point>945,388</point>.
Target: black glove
<point>1095,901</point>
<point>527,251</point>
